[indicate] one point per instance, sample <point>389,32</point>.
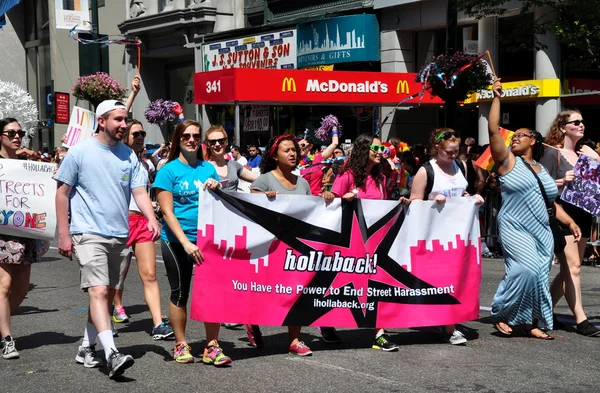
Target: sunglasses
<point>446,135</point>
<point>521,135</point>
<point>185,137</point>
<point>303,145</point>
<point>222,141</point>
<point>377,148</point>
<point>12,133</point>
<point>576,123</point>
<point>139,133</point>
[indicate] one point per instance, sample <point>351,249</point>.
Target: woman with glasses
<point>449,181</point>
<point>566,131</point>
<point>142,243</point>
<point>230,171</point>
<point>278,162</point>
<point>177,187</point>
<point>313,168</point>
<point>523,296</point>
<point>361,177</point>
<point>16,253</point>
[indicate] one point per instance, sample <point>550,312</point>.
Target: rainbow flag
<point>485,161</point>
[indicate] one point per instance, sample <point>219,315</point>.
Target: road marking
<point>157,261</point>
<point>347,370</point>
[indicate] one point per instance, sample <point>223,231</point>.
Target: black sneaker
<point>585,328</point>
<point>329,335</point>
<point>118,363</point>
<point>383,343</point>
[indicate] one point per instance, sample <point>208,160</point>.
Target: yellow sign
<point>249,40</point>
<point>289,84</point>
<point>522,90</point>
<point>402,87</point>
<point>319,68</point>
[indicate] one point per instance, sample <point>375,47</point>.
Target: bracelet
<point>335,133</point>
<point>181,120</point>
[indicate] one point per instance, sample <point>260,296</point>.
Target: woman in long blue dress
<point>523,296</point>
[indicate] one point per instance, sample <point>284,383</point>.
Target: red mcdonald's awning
<point>270,86</point>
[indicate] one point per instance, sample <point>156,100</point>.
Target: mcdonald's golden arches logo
<point>289,84</point>
<point>402,87</point>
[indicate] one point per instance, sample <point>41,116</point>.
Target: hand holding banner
<point>584,191</point>
<point>27,193</point>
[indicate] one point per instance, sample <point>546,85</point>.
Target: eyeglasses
<point>139,133</point>
<point>222,141</point>
<point>521,135</point>
<point>377,148</point>
<point>12,133</point>
<point>185,137</point>
<point>446,135</point>
<point>576,123</point>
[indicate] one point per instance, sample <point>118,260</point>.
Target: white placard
<point>258,119</point>
<point>27,193</point>
<point>269,50</point>
<point>82,126</point>
<point>70,13</point>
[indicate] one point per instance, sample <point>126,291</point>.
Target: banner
<point>82,126</point>
<point>70,13</point>
<point>485,160</point>
<point>258,119</point>
<point>296,260</point>
<point>270,50</point>
<point>584,191</point>
<point>27,193</point>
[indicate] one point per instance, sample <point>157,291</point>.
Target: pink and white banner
<point>296,260</point>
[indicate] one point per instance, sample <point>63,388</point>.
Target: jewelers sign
<point>258,119</point>
<point>272,50</point>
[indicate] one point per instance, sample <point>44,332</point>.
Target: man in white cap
<point>96,180</point>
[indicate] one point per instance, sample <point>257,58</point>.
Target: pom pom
<point>327,124</point>
<point>161,111</point>
<point>390,150</point>
<point>17,103</point>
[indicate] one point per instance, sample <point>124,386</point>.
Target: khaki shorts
<point>100,260</point>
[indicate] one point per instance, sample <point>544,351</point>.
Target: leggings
<point>179,267</point>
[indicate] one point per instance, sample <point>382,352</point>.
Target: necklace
<point>534,163</point>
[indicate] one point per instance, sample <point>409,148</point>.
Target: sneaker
<point>456,338</point>
<point>162,331</point>
<point>87,356</point>
<point>115,332</point>
<point>300,349</point>
<point>117,363</point>
<point>384,343</point>
<point>119,315</point>
<point>232,325</point>
<point>182,354</point>
<point>9,351</point>
<point>585,328</point>
<point>329,335</point>
<point>214,355</point>
<point>255,337</point>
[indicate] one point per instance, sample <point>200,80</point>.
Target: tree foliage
<point>576,23</point>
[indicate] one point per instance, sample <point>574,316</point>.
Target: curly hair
<point>433,140</point>
<point>537,150</point>
<point>358,160</point>
<point>268,163</point>
<point>555,136</point>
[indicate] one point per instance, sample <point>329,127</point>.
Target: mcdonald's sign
<point>289,84</point>
<point>402,87</point>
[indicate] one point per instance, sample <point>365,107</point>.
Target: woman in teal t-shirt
<point>177,186</point>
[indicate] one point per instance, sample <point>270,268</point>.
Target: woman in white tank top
<point>448,182</point>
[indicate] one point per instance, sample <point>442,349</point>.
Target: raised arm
<point>500,154</point>
<point>335,141</point>
<point>136,85</point>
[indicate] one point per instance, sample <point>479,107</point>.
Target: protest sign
<point>296,260</point>
<point>27,193</point>
<point>584,191</point>
<point>82,126</point>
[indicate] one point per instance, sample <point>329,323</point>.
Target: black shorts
<point>582,218</point>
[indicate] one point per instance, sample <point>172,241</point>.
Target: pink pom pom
<point>328,123</point>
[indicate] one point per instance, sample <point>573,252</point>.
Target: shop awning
<point>271,86</point>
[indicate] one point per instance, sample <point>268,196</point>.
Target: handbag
<point>559,238</point>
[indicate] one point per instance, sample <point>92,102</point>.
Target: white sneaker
<point>87,356</point>
<point>457,338</point>
<point>10,350</point>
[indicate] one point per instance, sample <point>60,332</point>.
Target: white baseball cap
<point>108,105</point>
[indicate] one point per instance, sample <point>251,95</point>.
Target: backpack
<point>431,174</point>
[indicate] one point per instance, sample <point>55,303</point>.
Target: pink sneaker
<point>300,349</point>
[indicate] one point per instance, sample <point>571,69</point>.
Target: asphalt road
<point>49,325</point>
